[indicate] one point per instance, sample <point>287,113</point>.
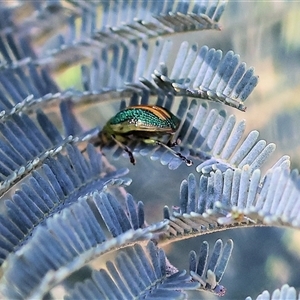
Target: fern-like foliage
<point>149,277</point>
<point>200,73</point>
<point>55,185</point>
<point>64,201</point>
<point>107,23</point>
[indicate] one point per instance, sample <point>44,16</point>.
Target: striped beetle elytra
<point>146,123</point>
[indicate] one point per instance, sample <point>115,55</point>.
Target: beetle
<point>146,123</point>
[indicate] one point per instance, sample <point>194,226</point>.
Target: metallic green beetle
<point>141,122</point>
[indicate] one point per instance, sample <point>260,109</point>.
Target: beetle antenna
<point>178,154</point>
<point>125,148</point>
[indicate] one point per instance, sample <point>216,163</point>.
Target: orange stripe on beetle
<point>159,111</point>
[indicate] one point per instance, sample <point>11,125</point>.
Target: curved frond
<point>107,23</point>
<point>59,183</point>
<point>198,73</point>
<point>136,273</point>
<point>203,73</point>
<point>234,199</point>
<point>150,277</point>
<point>285,293</point>
<point>75,236</point>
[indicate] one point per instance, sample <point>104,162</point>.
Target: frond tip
<point>205,74</point>
<point>209,270</point>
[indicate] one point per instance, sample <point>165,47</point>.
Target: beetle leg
<point>177,154</point>
<point>125,148</point>
<point>173,144</point>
